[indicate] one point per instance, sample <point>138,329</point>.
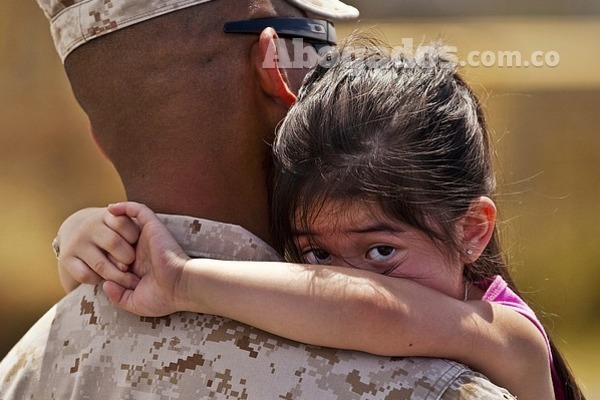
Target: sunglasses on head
<point>318,32</point>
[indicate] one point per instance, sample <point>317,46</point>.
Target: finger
<point>109,271</point>
<point>126,279</point>
<point>120,208</point>
<point>114,292</point>
<point>124,226</point>
<point>79,271</point>
<point>120,296</point>
<point>116,209</point>
<point>122,267</point>
<point>115,245</point>
<point>140,212</point>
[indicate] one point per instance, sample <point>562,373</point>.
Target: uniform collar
<point>203,238</point>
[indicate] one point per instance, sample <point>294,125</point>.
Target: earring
<point>469,252</point>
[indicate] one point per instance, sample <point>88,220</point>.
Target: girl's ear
<point>476,228</point>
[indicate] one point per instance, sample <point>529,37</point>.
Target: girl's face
<point>359,235</point>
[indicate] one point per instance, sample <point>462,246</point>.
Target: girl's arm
<point>336,307</point>
<point>96,245</point>
<point>358,310</point>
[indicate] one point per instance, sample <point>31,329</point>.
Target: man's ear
<point>272,79</point>
<point>476,228</point>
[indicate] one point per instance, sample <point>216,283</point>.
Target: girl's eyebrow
<point>297,232</point>
<point>379,226</point>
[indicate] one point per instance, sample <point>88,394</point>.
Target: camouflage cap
<point>75,22</point>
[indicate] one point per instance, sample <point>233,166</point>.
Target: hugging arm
<point>334,307</point>
<point>358,310</point>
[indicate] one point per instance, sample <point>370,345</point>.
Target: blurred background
<point>544,119</point>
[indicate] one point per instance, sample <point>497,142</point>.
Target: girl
<point>383,166</point>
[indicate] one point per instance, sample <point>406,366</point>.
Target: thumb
<point>117,294</point>
<point>140,212</point>
<point>116,209</point>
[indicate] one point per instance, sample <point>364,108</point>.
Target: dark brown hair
<point>404,132</point>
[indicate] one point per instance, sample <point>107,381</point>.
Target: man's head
<point>75,22</point>
<point>182,109</point>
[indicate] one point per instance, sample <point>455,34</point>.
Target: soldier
<point>185,110</point>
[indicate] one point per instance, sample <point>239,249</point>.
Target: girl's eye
<point>317,256</point>
<point>381,253</point>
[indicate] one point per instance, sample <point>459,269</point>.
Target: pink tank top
<point>497,291</point>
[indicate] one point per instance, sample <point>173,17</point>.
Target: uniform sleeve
<point>472,385</point>
<point>21,367</point>
<point>86,348</point>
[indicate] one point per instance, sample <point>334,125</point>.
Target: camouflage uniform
<point>84,348</point>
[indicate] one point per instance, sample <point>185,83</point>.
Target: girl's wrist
<point>181,289</point>
<point>189,292</point>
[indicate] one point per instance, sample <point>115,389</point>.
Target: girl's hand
<point>96,245</point>
<point>159,264</point>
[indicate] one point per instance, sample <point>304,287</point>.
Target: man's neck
<point>239,200</point>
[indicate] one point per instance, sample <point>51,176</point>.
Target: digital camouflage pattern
<point>75,22</point>
<point>84,348</point>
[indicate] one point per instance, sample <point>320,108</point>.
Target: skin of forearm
<point>320,304</point>
<point>284,299</point>
<point>358,310</point>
